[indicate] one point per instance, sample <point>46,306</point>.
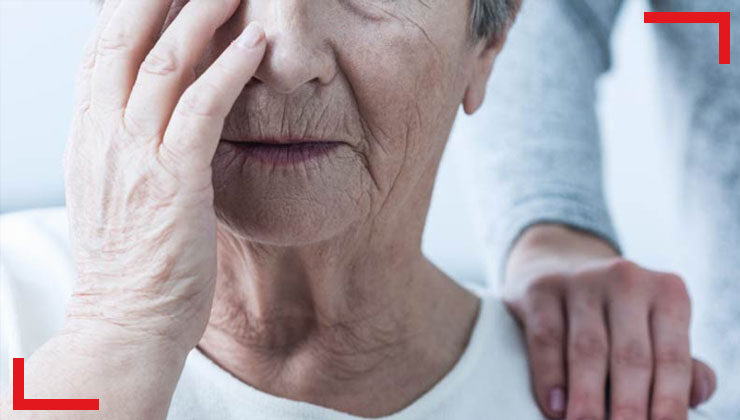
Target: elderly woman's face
<point>376,82</point>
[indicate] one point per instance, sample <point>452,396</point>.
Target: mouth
<point>283,151</point>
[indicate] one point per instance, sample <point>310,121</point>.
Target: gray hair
<point>491,18</point>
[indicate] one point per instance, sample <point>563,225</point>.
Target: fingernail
<point>252,36</point>
<point>703,389</point>
<point>557,400</point>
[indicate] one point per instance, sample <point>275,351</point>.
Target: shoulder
<point>494,365</point>
<point>494,315</point>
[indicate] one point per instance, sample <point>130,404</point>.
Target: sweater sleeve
<point>536,153</point>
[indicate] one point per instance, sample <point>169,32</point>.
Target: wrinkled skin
<point>180,241</point>
<point>390,97</point>
<point>178,236</point>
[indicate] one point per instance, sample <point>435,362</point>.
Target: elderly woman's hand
<point>594,320</point>
<point>140,202</point>
<point>138,168</point>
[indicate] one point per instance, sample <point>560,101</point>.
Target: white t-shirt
<point>490,381</point>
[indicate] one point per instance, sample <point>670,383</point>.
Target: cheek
<point>407,91</point>
<point>393,75</point>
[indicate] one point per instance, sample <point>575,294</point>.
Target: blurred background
<point>41,44</point>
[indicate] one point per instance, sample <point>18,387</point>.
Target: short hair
<point>492,18</point>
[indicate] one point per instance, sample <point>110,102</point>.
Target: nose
<point>297,51</point>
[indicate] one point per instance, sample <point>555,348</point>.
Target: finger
<point>588,349</point>
<point>121,48</point>
<point>671,315</point>
<point>169,66</point>
<point>197,122</point>
<point>703,383</point>
<point>84,76</point>
<point>631,357</point>
<point>544,327</point>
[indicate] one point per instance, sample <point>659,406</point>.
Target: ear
<point>486,53</point>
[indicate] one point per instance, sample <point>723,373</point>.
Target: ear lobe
<point>472,100</point>
<point>482,68</point>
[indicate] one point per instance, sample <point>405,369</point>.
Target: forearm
<point>131,379</point>
<point>536,146</point>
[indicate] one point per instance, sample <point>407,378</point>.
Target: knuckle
<point>540,294</point>
<point>161,61</point>
<point>627,411</point>
<point>589,345</point>
<point>624,271</point>
<point>634,355</point>
<point>673,299</point>
<point>546,335</point>
<point>669,408</point>
<point>545,285</point>
<point>137,131</point>
<point>584,404</point>
<point>626,284</point>
<point>673,357</point>
<point>201,101</point>
<point>549,282</point>
<point>114,42</point>
<point>674,288</point>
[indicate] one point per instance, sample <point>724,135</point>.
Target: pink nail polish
<point>557,400</point>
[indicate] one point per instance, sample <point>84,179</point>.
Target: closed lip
<point>283,151</point>
<point>279,141</point>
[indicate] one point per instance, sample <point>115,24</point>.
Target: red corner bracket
<point>21,403</point>
<point>721,18</point>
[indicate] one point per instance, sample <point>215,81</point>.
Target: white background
<point>41,43</point>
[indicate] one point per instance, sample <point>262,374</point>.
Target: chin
<point>283,223</point>
<point>292,205</point>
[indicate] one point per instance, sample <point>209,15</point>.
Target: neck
<point>361,327</point>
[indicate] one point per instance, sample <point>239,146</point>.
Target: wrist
<point>94,337</point>
<point>554,248</point>
<point>564,239</point>
<point>106,368</point>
